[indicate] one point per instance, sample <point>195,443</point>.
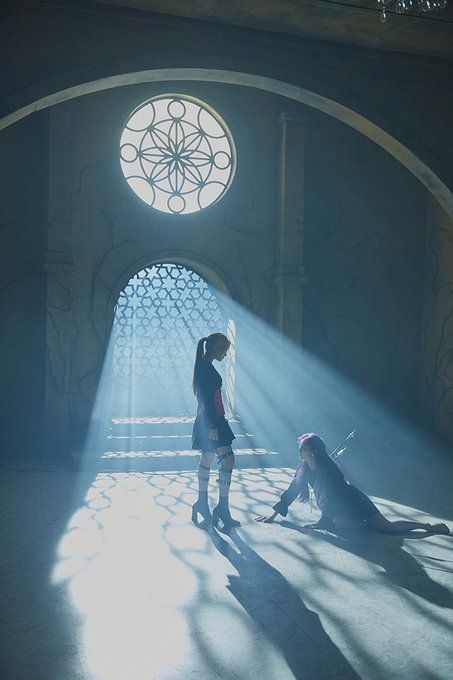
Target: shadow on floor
<point>277,610</point>
<point>402,568</point>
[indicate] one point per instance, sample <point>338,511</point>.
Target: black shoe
<point>223,513</point>
<point>326,525</point>
<point>201,508</point>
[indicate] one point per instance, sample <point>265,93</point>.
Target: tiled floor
<point>104,576</point>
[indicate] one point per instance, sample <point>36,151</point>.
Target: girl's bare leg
<point>381,523</point>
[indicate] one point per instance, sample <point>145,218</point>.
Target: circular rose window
<point>177,154</point>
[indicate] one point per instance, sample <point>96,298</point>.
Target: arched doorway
<point>160,315</point>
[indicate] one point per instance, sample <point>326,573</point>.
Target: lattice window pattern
<point>160,316</point>
<point>177,154</point>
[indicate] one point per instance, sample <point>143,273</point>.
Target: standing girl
<point>211,432</point>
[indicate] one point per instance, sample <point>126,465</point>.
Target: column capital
<point>286,273</point>
<point>293,117</point>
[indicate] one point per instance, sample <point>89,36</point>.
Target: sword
<point>341,448</point>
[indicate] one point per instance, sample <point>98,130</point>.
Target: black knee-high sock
<point>203,497</point>
<point>223,503</point>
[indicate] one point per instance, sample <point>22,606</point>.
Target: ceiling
<point>355,22</point>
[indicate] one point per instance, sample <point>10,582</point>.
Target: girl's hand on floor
<point>266,519</point>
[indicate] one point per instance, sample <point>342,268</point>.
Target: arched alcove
<point>159,315</point>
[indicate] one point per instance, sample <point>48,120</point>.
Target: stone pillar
<point>289,272</point>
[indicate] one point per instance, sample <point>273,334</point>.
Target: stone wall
<point>364,248</point>
<point>437,339</point>
<point>23,195</point>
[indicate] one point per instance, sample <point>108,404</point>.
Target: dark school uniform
<point>210,412</point>
<point>335,496</point>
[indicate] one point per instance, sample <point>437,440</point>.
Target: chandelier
<point>405,6</point>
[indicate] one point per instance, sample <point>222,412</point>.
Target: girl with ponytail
<point>212,434</point>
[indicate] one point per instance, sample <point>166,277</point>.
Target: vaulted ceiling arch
<point>348,116</point>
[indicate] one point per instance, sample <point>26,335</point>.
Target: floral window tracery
<point>177,154</point>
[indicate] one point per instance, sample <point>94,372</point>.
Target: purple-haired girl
<point>343,506</point>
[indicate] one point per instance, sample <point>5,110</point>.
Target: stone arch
<point>348,116</point>
<point>206,269</point>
